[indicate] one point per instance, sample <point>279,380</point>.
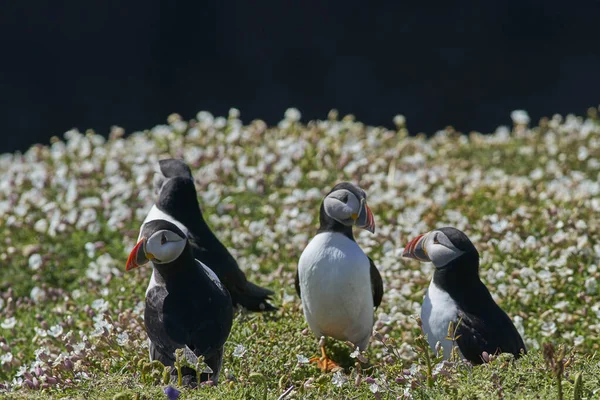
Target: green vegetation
<point>71,321</point>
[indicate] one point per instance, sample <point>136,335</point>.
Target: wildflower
<point>302,359</point>
<point>374,388</point>
<point>292,114</point>
<point>9,323</point>
<point>172,393</point>
<point>122,338</point>
<point>339,379</point>
<point>6,358</point>
<point>37,294</point>
<point>55,331</point>
<point>100,305</point>
<point>520,117</point>
<point>239,351</point>
<point>35,261</point>
<point>357,354</point>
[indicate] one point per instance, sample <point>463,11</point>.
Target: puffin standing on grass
<point>178,203</point>
<point>456,295</point>
<point>338,283</point>
<point>186,304</point>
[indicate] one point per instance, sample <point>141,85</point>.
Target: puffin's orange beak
<point>137,256</point>
<point>365,219</point>
<point>414,249</point>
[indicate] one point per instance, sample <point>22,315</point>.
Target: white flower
<point>399,120</point>
<point>40,332</point>
<point>37,294</point>
<point>548,328</point>
<point>520,117</point>
<point>41,225</point>
<point>6,358</point>
<point>1,303</point>
<point>122,339</point>
<point>35,261</point>
<point>234,113</point>
<point>374,388</point>
<point>90,249</point>
<point>100,305</point>
<point>55,331</point>
<point>302,359</point>
<point>339,379</point>
<point>591,285</point>
<point>239,351</point>
<point>9,323</point>
<point>292,114</point>
<point>76,294</point>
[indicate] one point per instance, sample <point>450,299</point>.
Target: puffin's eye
<point>163,239</point>
<point>435,240</point>
<point>344,198</point>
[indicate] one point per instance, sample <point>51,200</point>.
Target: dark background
<point>93,64</point>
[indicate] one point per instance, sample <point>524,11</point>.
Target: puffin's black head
<point>162,242</point>
<point>440,246</point>
<point>346,203</point>
<point>179,199</point>
<point>170,168</point>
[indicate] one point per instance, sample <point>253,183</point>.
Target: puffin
<point>177,202</point>
<point>339,285</point>
<point>186,306</point>
<point>456,297</point>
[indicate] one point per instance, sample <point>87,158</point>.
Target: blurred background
<point>94,64</point>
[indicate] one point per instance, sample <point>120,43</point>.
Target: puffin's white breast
<point>439,309</point>
<point>335,286</point>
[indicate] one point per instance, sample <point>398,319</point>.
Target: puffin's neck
<point>460,278</point>
<point>175,270</point>
<point>328,224</point>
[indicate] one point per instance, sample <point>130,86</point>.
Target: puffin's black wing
<point>376,284</point>
<point>178,198</point>
<point>494,334</point>
<point>297,284</point>
<point>243,292</point>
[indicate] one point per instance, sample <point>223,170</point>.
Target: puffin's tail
<point>253,297</point>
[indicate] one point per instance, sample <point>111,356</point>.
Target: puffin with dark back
<point>338,283</point>
<point>186,304</point>
<point>178,203</point>
<point>456,295</point>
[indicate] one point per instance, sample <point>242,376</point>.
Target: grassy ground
<point>71,318</point>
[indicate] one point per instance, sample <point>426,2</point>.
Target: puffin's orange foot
<point>325,364</point>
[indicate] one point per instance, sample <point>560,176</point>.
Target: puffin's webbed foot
<point>324,363</point>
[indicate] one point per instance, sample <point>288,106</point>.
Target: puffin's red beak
<point>414,249</point>
<point>365,218</point>
<point>137,256</point>
<point>370,226</point>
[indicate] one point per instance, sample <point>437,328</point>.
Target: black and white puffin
<point>338,283</point>
<point>177,202</point>
<point>457,295</point>
<point>186,304</point>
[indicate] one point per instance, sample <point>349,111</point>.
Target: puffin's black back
<point>484,325</point>
<point>186,308</point>
<point>178,198</point>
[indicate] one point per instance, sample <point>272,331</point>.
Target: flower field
<point>528,197</point>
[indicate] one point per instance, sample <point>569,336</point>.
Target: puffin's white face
<point>432,246</point>
<point>343,206</point>
<point>162,247</point>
